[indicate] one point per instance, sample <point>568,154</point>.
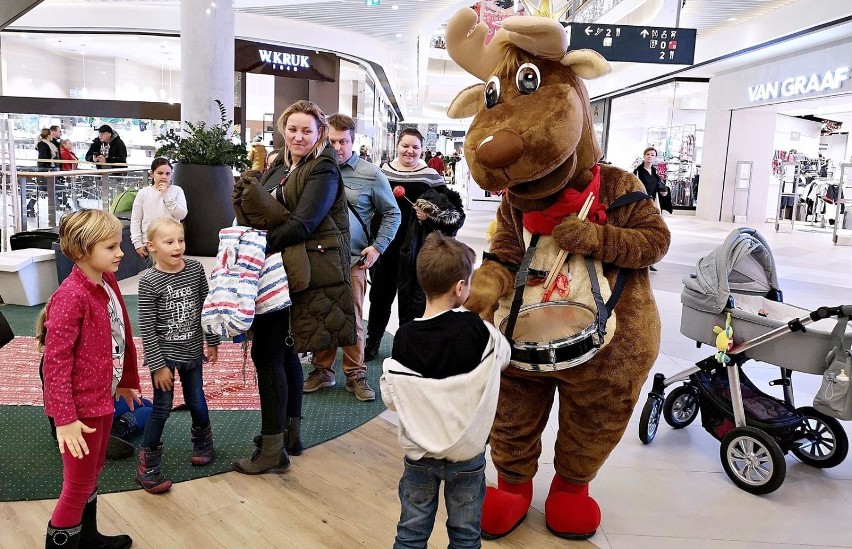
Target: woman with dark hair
<point>159,199</point>
<point>305,179</point>
<point>647,174</point>
<point>427,206</point>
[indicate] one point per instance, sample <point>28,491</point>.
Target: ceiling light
<point>399,36</point>
<point>732,18</point>
<point>394,7</point>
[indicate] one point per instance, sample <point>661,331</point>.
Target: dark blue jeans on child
<point>192,383</point>
<point>464,492</point>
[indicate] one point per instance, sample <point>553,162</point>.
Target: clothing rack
<point>788,192</point>
<point>843,212</point>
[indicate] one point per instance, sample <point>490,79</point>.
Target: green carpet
<point>22,319</point>
<point>31,468</point>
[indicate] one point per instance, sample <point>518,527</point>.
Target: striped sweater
<point>170,314</point>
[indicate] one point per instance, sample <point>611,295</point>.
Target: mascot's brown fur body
<point>532,135</point>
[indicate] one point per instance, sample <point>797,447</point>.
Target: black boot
<point>90,538</point>
<point>292,436</point>
<point>202,445</point>
<point>371,348</point>
<point>66,538</point>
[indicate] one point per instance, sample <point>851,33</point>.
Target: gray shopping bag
<point>835,397</point>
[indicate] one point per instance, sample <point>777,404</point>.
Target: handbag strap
<point>370,238</point>
<point>520,284</point>
<point>838,335</point>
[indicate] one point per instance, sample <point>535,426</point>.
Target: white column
<point>206,59</point>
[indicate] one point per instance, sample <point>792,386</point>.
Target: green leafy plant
<point>204,145</point>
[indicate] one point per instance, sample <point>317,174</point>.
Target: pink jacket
<point>78,355</point>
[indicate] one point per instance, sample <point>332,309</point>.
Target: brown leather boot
<point>269,456</point>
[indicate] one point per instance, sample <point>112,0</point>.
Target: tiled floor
<point>674,493</point>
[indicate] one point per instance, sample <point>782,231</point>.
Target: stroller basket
<point>762,411</point>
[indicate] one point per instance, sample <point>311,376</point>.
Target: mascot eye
<point>492,91</point>
<point>528,78</point>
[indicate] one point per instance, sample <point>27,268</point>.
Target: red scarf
<point>570,201</point>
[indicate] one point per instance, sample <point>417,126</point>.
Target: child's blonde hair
<point>81,230</point>
<point>40,332</point>
<point>158,223</point>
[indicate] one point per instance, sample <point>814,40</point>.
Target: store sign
<point>261,58</point>
<point>799,85</point>
<point>635,44</point>
<point>284,61</point>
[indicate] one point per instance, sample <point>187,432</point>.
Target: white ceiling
<point>424,77</point>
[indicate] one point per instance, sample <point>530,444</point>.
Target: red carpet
<point>227,383</point>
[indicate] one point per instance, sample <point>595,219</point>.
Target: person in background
<point>368,193</point>
<point>160,199</point>
<point>66,152</point>
<point>257,154</point>
<point>654,185</point>
<point>305,179</point>
<point>171,295</point>
<point>396,272</point>
<point>443,380</point>
<point>437,163</point>
<point>107,148</point>
<point>47,150</point>
<point>89,360</point>
<point>364,153</point>
<point>56,135</point>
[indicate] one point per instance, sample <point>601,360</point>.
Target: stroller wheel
<point>753,460</point>
<point>650,419</point>
<point>823,442</point>
<point>681,407</point>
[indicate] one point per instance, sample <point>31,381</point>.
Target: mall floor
<point>670,494</point>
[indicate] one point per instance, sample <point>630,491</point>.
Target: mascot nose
<point>500,149</point>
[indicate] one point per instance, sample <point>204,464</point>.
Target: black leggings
<point>385,279</point>
<point>279,372</point>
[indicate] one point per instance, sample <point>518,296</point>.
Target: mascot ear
<point>467,102</point>
<point>586,64</point>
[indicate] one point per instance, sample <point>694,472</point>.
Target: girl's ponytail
<point>40,331</point>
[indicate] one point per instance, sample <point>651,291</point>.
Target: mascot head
<point>532,132</point>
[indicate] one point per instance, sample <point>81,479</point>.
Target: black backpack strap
<point>361,221</point>
<point>621,277</point>
<point>601,310</point>
<point>625,199</point>
<point>520,284</point>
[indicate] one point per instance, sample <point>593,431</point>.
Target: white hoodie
<point>446,418</point>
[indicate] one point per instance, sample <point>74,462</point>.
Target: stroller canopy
<point>742,264</point>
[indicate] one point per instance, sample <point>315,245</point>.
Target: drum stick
<point>560,259</point>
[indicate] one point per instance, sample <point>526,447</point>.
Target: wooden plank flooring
<point>339,495</point>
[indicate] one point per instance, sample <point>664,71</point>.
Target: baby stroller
<point>756,430</point>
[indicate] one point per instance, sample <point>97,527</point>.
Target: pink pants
<point>80,476</point>
<point>353,355</point>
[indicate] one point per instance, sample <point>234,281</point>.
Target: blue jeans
<point>464,492</point>
<point>192,384</point>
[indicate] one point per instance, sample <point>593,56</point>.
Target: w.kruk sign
<point>799,85</point>
<point>284,61</point>
<point>260,58</point>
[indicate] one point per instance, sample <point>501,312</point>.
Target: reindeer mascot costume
<point>532,136</point>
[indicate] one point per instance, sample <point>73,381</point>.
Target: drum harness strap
<point>603,309</point>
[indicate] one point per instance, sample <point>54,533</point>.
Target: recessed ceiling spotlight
<point>394,7</point>
<point>399,36</point>
<point>732,18</point>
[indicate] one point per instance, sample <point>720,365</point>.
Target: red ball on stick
<point>399,192</point>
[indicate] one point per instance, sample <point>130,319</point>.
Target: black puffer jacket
<point>323,315</point>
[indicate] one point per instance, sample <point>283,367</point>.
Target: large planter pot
<point>208,198</point>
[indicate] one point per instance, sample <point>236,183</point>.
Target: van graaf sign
<point>284,61</point>
<point>799,85</point>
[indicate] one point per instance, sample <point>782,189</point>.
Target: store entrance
<point>811,145</point>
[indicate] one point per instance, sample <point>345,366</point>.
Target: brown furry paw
<point>576,236</point>
<point>490,282</point>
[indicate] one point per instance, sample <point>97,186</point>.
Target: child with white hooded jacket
<point>443,380</point>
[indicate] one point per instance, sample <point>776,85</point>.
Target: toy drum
<point>553,336</point>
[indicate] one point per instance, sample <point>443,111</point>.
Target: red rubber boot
<point>505,508</point>
<point>569,511</point>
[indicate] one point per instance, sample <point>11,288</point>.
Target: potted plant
<point>204,158</point>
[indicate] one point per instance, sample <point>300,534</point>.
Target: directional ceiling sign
<point>637,44</point>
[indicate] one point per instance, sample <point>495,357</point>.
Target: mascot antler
<point>465,41</point>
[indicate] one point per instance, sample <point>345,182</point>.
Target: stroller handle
<point>826,312</point>
<point>795,325</point>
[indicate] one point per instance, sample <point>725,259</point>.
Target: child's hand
<point>129,395</point>
<point>71,435</point>
<point>212,353</point>
<point>421,215</point>
<point>164,379</point>
<point>142,251</point>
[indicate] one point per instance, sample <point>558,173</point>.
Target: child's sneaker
<point>202,445</point>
